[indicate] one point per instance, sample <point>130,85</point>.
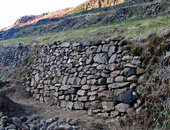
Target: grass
<point>133,28</point>
<point>5,77</point>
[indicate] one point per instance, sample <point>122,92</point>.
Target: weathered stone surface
<point>108,106</point>
<point>82,92</point>
<point>119,85</point>
<point>37,78</point>
<point>113,58</point>
<point>83,98</point>
<point>85,87</point>
<point>140,71</point>
<point>78,106</point>
<point>106,95</point>
<point>122,107</point>
<point>114,113</point>
<point>126,96</point>
<point>112,50</point>
<point>120,79</point>
<point>101,58</point>
<point>132,78</point>
<point>115,73</point>
<point>65,87</point>
<point>127,58</point>
<point>129,71</point>
<point>110,80</point>
<point>93,105</point>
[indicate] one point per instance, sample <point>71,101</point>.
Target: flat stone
<point>78,106</point>
<point>118,85</point>
<point>65,44</point>
<point>114,113</point>
<point>111,67</point>
<point>115,73</point>
<point>105,48</point>
<point>122,107</point>
<point>65,87</point>
<point>130,65</point>
<point>132,78</point>
<point>69,105</point>
<point>112,50</point>
<point>140,71</point>
<point>113,58</point>
<point>83,98</point>
<point>101,58</point>
<point>37,77</point>
<point>127,58</point>
<point>135,62</point>
<point>81,92</point>
<point>65,127</point>
<point>126,96</point>
<point>106,95</point>
<point>108,106</point>
<point>93,105</point>
<point>85,87</point>
<point>110,80</point>
<point>102,81</point>
<point>129,71</point>
<point>120,79</point>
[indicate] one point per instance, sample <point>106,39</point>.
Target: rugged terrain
<point>76,72</point>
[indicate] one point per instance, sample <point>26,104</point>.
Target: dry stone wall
<point>98,77</point>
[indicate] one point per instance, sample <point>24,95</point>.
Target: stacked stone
<point>34,123</point>
<point>99,77</point>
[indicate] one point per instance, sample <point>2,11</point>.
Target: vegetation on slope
<point>134,28</point>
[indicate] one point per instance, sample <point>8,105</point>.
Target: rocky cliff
<point>90,4</point>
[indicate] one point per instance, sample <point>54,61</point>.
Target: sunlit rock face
<point>90,4</point>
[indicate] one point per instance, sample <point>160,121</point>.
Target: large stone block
<point>101,58</point>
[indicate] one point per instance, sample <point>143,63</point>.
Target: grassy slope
<point>133,28</point>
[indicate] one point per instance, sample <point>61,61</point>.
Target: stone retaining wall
<point>99,77</point>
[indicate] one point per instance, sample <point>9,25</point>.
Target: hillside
<point>90,4</point>
<point>92,18</point>
<point>98,68</point>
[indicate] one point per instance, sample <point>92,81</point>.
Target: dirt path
<point>30,106</point>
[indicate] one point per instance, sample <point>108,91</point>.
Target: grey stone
<point>83,99</point>
<point>120,79</point>
<point>126,96</point>
<point>129,71</point>
<point>127,58</point>
<point>81,92</point>
<point>65,127</point>
<point>101,58</point>
<point>93,105</point>
<point>115,73</point>
<point>122,107</point>
<point>78,106</point>
<point>108,106</point>
<point>105,48</point>
<point>110,80</point>
<point>118,85</point>
<point>113,58</point>
<point>135,62</point>
<point>92,98</point>
<point>92,93</point>
<point>102,81</point>
<point>65,87</point>
<point>106,95</point>
<point>132,78</point>
<point>85,87</point>
<point>142,79</point>
<point>112,50</point>
<point>140,71</point>
<point>114,113</point>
